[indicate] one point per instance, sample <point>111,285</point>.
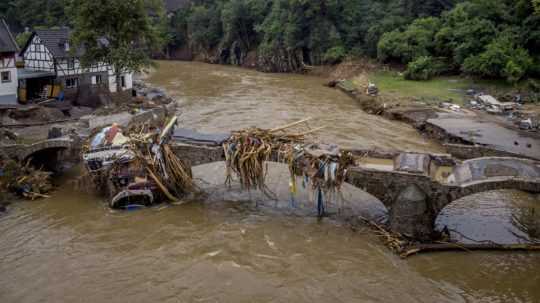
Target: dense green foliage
<point>486,38</point>
<point>118,32</point>
<point>30,13</point>
<point>492,39</point>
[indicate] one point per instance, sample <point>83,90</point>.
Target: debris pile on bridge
<point>321,166</point>
<point>247,151</point>
<point>324,167</point>
<point>137,168</point>
<point>24,180</point>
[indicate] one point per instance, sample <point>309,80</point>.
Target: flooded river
<point>230,246</point>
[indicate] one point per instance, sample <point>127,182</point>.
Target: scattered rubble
<point>511,109</point>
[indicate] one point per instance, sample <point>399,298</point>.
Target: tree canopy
<point>118,32</point>
<point>486,38</point>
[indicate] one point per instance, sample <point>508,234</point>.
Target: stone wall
<point>467,152</point>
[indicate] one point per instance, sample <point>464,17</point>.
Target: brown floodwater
<point>231,246</point>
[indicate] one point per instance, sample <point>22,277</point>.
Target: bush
<point>423,68</point>
<point>334,55</point>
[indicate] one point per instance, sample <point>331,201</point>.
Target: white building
<point>50,61</point>
<point>8,70</point>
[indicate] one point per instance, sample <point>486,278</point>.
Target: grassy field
<point>432,91</point>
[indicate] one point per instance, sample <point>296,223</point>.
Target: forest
<point>483,38</point>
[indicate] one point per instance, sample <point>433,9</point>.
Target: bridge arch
<point>54,144</point>
<point>41,154</point>
<point>467,215</point>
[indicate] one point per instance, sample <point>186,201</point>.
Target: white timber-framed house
<point>8,68</point>
<point>52,68</point>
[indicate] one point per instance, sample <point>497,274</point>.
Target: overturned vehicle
<point>136,167</point>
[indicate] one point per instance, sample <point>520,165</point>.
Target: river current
<point>232,246</point>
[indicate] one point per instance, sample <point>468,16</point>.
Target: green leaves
<point>418,40</point>
<point>503,58</point>
<point>118,32</point>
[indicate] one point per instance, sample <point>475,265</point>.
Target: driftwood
<point>406,248</point>
<point>440,247</point>
<point>289,125</point>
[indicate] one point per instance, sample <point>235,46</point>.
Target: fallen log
<point>440,247</point>
<point>284,127</point>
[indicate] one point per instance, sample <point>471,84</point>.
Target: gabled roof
<point>54,40</point>
<point>7,42</point>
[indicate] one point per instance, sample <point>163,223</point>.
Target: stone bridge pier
<point>411,200</point>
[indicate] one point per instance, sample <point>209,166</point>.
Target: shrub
<point>423,68</point>
<point>334,55</point>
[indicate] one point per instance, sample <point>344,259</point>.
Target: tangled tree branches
<point>25,180</point>
<point>247,152</point>
<point>323,166</point>
<point>139,168</point>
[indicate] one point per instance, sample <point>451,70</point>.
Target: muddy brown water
<point>230,246</point>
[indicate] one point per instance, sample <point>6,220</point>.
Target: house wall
<point>63,68</point>
<point>8,90</point>
<point>128,81</point>
<point>38,57</point>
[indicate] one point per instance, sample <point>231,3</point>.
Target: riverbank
<point>465,133</point>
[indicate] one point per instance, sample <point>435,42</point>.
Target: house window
<point>6,77</point>
<point>71,63</point>
<point>97,80</point>
<point>123,81</point>
<point>72,82</point>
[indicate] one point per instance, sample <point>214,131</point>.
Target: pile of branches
<point>25,180</point>
<point>247,151</point>
<point>155,156</point>
<point>146,160</point>
<point>324,167</point>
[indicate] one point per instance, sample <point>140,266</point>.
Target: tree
<point>503,58</point>
<point>536,4</point>
<point>31,13</point>
<point>416,41</point>
<point>423,68</point>
<point>204,25</point>
<point>120,33</point>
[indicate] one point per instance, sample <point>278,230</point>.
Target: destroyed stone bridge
<point>414,187</point>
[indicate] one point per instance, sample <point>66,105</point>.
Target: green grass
<point>435,90</point>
